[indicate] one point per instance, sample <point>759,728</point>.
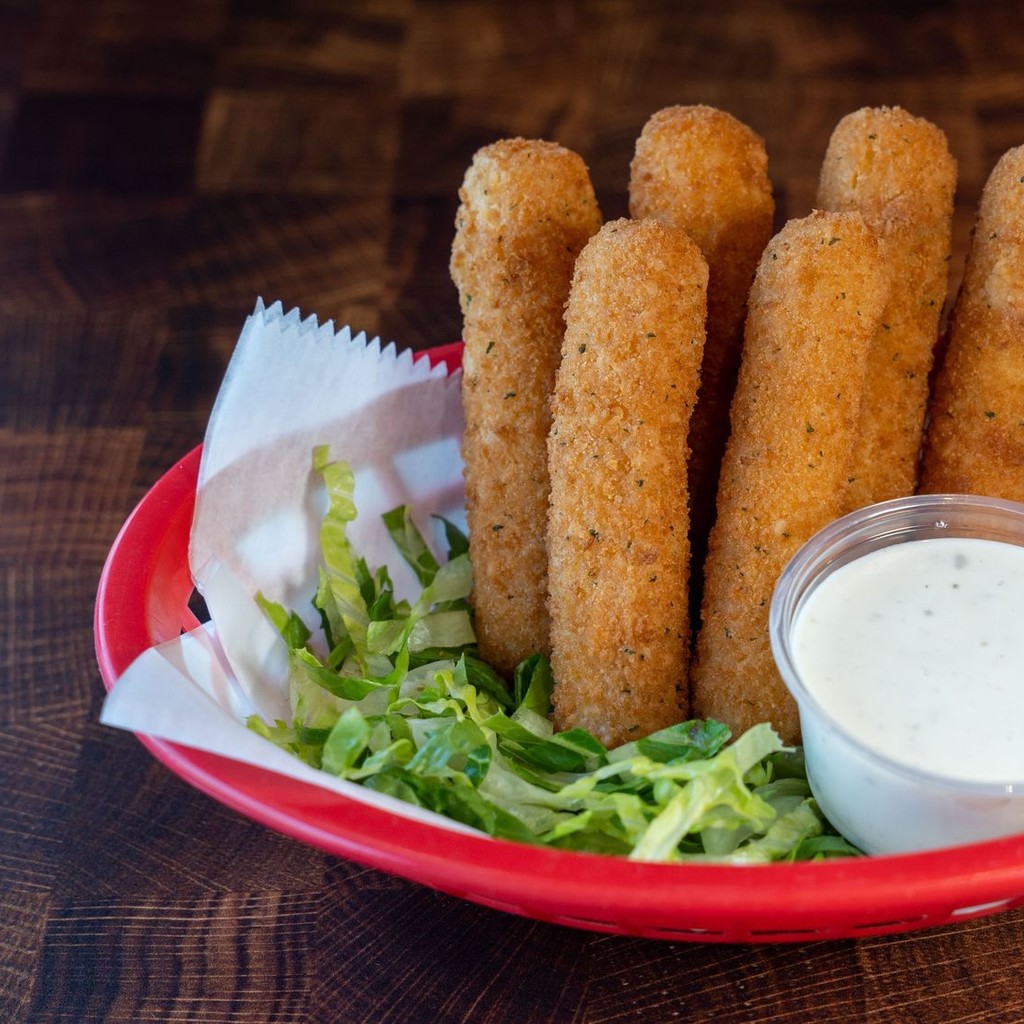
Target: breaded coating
<point>527,209</point>
<point>897,172</point>
<point>975,442</point>
<point>618,529</point>
<point>702,170</point>
<point>815,304</point>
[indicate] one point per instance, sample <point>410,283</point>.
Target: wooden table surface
<point>161,166</point>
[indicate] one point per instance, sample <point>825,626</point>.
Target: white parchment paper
<point>292,384</point>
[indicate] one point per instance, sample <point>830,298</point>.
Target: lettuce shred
<point>394,696</point>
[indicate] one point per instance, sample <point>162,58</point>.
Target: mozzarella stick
<point>527,209</point>
<point>897,172</point>
<point>816,301</point>
<point>618,527</point>
<point>975,442</point>
<point>702,170</point>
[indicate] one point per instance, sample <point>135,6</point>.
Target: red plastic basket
<point>143,600</point>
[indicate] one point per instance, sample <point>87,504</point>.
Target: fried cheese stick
<point>816,302</point>
<point>527,209</point>
<point>700,169</point>
<point>618,523</point>
<point>975,441</point>
<point>897,172</point>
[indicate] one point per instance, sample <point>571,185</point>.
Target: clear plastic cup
<point>878,803</point>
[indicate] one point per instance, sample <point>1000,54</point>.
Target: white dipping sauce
<point>917,651</point>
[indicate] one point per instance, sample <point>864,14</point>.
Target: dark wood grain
<point>161,166</point>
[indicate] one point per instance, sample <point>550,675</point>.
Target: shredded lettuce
<point>395,697</point>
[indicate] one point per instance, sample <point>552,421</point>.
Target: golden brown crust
<point>816,302</point>
<point>700,169</point>
<point>897,172</point>
<point>975,441</point>
<point>527,208</point>
<point>618,547</point>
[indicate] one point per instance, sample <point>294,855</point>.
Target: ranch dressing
<point>917,650</point>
